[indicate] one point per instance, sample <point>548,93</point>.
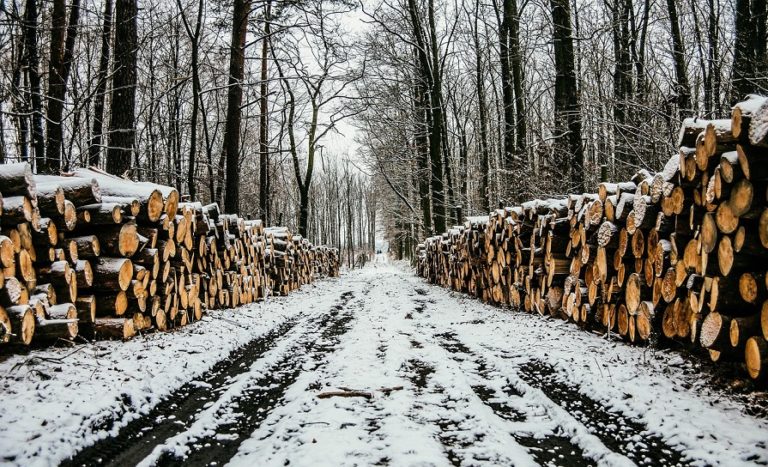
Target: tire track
<point>174,414</point>
<point>245,412</point>
<point>619,433</point>
<point>556,449</point>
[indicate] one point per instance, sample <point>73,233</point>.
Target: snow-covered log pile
<point>679,255</point>
<point>100,256</point>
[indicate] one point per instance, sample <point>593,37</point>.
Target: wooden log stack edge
<point>680,255</point>
<point>91,254</point>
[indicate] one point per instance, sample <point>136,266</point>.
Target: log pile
<point>674,256</point>
<point>99,256</point>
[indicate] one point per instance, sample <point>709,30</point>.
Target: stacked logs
<point>92,254</point>
<point>674,256</point>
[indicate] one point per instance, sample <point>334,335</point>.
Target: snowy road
<point>453,382</point>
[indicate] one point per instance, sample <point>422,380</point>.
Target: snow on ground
<point>53,399</point>
<point>453,382</point>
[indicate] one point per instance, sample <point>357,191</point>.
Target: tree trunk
<point>743,57</point>
<point>567,106</point>
<point>194,37</point>
<point>122,126</point>
<point>55,86</point>
<point>518,80</point>
<point>622,85</point>
<point>59,66</point>
<point>263,121</point>
<point>507,91</point>
<point>94,147</point>
<point>438,122</point>
<point>485,195</point>
<point>713,57</point>
<point>759,45</point>
<point>35,97</point>
<point>422,155</point>
<point>234,101</point>
<point>682,88</point>
<point>304,210</point>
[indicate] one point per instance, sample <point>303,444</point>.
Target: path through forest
<point>450,382</point>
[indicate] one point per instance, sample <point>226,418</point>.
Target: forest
<point>332,117</point>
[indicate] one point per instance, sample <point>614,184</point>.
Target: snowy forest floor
<point>464,384</point>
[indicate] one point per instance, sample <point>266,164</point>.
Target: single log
<point>709,229</point>
<point>51,330</point>
<point>79,191</point>
<point>131,206</point>
<point>22,320</point>
<point>112,273</point>
<point>50,199</point>
<point>57,273</point>
<point>752,287</point>
<point>7,252</point>
<point>730,171</point>
<point>16,209</point>
<point>758,126</point>
<point>741,115</point>
<point>634,292</point>
<point>62,311</point>
<point>88,246</point>
<point>86,309</point>
<point>119,240</point>
<point>5,326</point>
<point>690,130</point>
<point>752,162</point>
<point>644,320</point>
<point>111,304</point>
<point>16,179</point>
<point>727,260</point>
<point>764,320</point>
<point>48,234</point>
<point>84,273</point>
<point>741,197</point>
<point>756,357</point>
<point>743,328</point>
<point>715,331</point>
<point>68,221</point>
<point>103,213</point>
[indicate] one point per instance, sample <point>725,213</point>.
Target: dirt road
<point>442,380</point>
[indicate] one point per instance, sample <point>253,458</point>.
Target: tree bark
<point>59,66</point>
<point>485,195</point>
<point>743,57</point>
<point>682,88</point>
<point>759,45</point>
<point>35,96</point>
<point>234,101</point>
<point>122,126</point>
<point>194,37</point>
<point>422,154</point>
<point>507,91</point>
<point>567,107</point>
<point>94,146</point>
<point>428,65</point>
<point>263,121</point>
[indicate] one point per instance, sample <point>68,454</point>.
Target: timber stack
<point>96,255</point>
<point>675,256</point>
